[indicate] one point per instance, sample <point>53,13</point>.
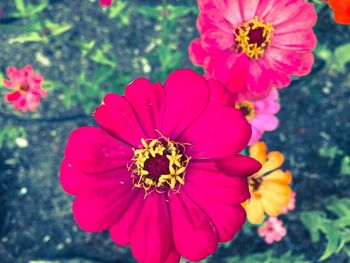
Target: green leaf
<point>116,9</point>
<point>345,166</point>
<point>333,238</point>
<point>21,7</point>
<point>342,56</point>
<point>179,11</point>
<point>99,57</point>
<point>152,12</point>
<point>29,37</point>
<point>57,29</point>
<point>312,221</point>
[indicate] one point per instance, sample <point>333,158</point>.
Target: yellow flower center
<point>247,108</point>
<point>253,37</point>
<point>160,164</point>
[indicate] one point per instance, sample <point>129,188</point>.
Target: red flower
<point>163,172</point>
<point>106,2</point>
<point>341,11</point>
<point>27,88</point>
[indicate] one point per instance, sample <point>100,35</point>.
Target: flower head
<point>106,3</point>
<point>260,114</point>
<point>269,187</point>
<point>163,172</point>
<point>26,86</point>
<point>252,45</point>
<point>272,230</point>
<point>341,10</point>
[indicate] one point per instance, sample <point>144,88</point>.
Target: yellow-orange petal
<point>271,208</point>
<point>279,176</point>
<point>255,211</point>
<point>279,188</point>
<point>275,198</point>
<point>258,152</point>
<point>274,160</point>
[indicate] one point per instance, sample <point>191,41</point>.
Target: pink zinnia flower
<point>163,172</point>
<point>260,114</point>
<point>27,88</point>
<point>106,2</point>
<point>290,206</point>
<point>251,45</point>
<point>273,230</point>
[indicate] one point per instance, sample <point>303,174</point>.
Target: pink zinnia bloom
<point>163,172</point>
<point>251,45</point>
<point>273,230</point>
<point>27,88</point>
<point>106,2</point>
<point>260,114</point>
<point>290,206</point>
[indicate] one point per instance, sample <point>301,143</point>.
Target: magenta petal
<point>215,40</point>
<point>116,116</point>
<point>121,231</point>
<point>220,96</point>
<point>92,150</point>
<point>99,207</point>
<point>302,41</point>
<point>211,137</point>
<point>238,165</point>
<point>12,96</point>
<point>204,180</point>
<point>182,110</point>
<point>197,53</point>
<point>195,236</point>
<point>151,239</point>
<point>174,256</point>
<point>147,100</point>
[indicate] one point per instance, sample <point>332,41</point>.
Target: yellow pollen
<point>247,108</point>
<point>253,37</point>
<point>160,165</point>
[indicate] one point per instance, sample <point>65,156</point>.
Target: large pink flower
<point>26,86</point>
<point>251,45</point>
<point>163,172</point>
<point>260,114</point>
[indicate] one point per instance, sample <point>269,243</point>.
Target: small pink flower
<point>163,171</point>
<point>273,230</point>
<point>260,114</point>
<point>27,88</point>
<point>290,206</point>
<point>251,45</point>
<point>106,2</point>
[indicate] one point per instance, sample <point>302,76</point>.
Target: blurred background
<point>84,51</point>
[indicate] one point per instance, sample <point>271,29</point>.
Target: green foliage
<point>345,166</point>
<point>42,31</point>
<point>8,135</point>
<point>120,9</point>
<point>336,229</point>
<point>330,152</point>
<point>267,257</point>
<point>28,10</point>
<point>336,60</point>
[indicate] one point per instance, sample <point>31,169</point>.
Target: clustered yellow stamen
<point>159,165</point>
<point>253,37</point>
<point>247,108</point>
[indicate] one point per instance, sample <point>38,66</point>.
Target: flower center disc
<point>247,108</point>
<point>253,37</point>
<point>160,164</point>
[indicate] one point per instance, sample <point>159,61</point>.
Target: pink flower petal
<point>147,100</point>
<point>216,40</point>
<point>249,9</point>
<point>151,239</point>
<point>302,41</point>
<point>174,256</point>
<point>195,236</point>
<point>220,96</point>
<point>182,110</point>
<point>204,179</point>
<point>116,116</point>
<point>99,207</point>
<point>121,231</point>
<point>265,122</point>
<point>238,165</point>
<point>12,96</point>
<point>197,53</point>
<point>90,149</point>
<point>221,138</point>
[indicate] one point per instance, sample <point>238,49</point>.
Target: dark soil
<point>36,221</point>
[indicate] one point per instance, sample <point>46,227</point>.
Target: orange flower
<point>341,11</point>
<point>269,188</point>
